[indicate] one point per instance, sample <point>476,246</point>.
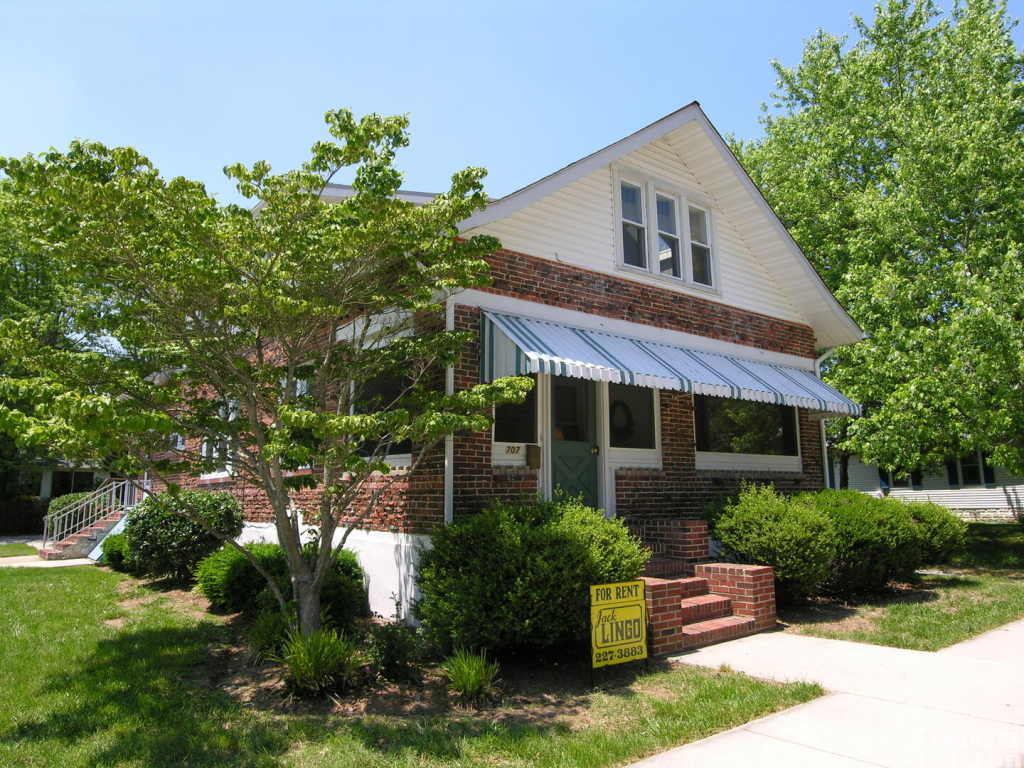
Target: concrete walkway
<point>889,707</point>
<point>34,561</point>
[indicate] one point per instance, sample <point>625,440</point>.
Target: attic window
<point>667,226</point>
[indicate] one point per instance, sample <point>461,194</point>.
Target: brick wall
<point>557,285</point>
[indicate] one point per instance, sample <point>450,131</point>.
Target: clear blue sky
<point>521,88</point>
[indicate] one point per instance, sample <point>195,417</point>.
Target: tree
<point>305,333</point>
<point>42,295</point>
<point>897,163</point>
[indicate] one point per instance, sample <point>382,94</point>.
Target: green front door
<point>574,448</point>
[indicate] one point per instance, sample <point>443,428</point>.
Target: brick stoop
<point>722,601</point>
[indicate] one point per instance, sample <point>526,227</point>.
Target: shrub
<point>230,581</point>
<point>876,540</point>
<point>943,534</point>
<point>470,676</point>
<point>164,543</point>
<point>763,528</point>
<point>519,574</point>
<point>395,652</point>
<point>266,637</point>
<point>116,553</point>
<point>61,503</point>
<point>318,661</point>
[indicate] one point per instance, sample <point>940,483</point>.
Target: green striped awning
<point>516,346</point>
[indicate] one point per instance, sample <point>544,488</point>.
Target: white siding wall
<point>1008,493</point>
<point>576,225</point>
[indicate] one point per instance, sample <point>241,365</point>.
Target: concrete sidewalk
<point>34,561</point>
<point>888,707</point>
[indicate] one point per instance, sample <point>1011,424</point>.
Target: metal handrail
<point>112,496</point>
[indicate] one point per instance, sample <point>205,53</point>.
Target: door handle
<point>595,450</point>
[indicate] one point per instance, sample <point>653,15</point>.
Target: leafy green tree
<point>299,334</point>
<point>896,160</point>
<point>43,296</point>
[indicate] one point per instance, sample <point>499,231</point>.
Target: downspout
<point>449,441</point>
<point>821,424</point>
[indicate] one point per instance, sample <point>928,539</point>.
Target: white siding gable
<point>577,225</point>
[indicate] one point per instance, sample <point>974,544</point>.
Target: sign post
<point>618,623</point>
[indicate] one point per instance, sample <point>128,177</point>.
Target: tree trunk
<point>308,595</point>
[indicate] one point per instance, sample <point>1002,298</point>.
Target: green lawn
<point>92,681</point>
<point>986,592</point>
<point>17,550</point>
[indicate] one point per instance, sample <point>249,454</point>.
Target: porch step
<point>704,607</point>
<point>716,631</point>
<point>49,553</point>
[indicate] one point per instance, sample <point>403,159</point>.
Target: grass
<point>986,591</point>
<point>17,550</point>
<point>100,676</point>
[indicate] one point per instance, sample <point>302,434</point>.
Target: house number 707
<point>513,448</point>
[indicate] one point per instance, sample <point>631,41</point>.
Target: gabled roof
<point>832,324</point>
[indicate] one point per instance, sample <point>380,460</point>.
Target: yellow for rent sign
<point>618,623</point>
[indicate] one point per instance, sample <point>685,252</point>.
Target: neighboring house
<point>970,486</point>
<point>48,480</point>
<point>672,326</point>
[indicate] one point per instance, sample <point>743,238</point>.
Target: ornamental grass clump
<point>266,637</point>
<point>470,675</point>
<point>319,661</point>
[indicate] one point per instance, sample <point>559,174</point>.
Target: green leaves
<point>897,162</point>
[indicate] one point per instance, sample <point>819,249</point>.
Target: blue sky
<point>521,88</point>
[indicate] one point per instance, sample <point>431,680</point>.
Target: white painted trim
<point>449,440</point>
<point>748,462</point>
<point>511,305</point>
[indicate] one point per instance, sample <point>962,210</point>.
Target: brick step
<point>703,607</point>
<point>716,631</point>
<point>667,567</point>
<point>49,554</point>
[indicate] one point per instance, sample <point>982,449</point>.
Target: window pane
<point>634,251</point>
<point>900,481</point>
<point>668,255</point>
<point>632,203</point>
<point>378,394</point>
<point>572,410</point>
<point>701,265</point>
<point>517,423</point>
<point>667,215</point>
<point>699,226</point>
<point>970,470</point>
<point>630,416</point>
<point>739,426</point>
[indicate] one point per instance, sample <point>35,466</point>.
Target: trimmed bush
<point>762,528</point>
<point>395,652</point>
<point>876,540</point>
<point>519,575</point>
<point>116,553</point>
<point>164,543</point>
<point>61,503</point>
<point>230,581</point>
<point>943,534</point>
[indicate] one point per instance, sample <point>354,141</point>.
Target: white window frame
<point>651,188</point>
<point>753,462</point>
<point>229,449</point>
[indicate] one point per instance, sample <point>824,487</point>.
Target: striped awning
<point>516,346</point>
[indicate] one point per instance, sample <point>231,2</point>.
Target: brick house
<point>673,328</point>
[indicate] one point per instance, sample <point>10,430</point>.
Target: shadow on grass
<point>998,546</point>
<point>131,697</point>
